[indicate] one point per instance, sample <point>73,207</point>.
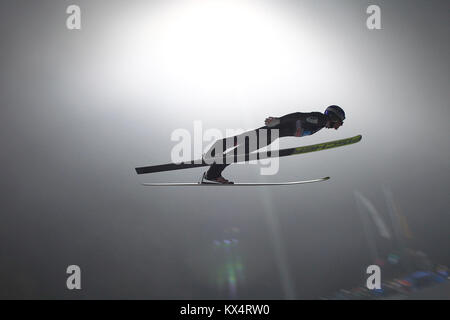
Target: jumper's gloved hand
<point>272,122</point>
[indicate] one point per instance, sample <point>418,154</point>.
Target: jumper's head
<point>336,117</point>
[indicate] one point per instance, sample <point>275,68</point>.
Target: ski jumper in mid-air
<point>296,124</point>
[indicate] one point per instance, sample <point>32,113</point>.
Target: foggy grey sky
<point>81,109</point>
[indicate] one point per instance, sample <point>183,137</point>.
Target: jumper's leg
<point>244,143</point>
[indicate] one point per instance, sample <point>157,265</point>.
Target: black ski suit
<point>297,124</point>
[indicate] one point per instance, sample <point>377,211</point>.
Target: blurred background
<point>80,109</point>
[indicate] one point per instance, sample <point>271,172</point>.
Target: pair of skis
<point>258,155</point>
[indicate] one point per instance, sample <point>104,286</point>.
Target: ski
<point>253,156</point>
<point>205,184</point>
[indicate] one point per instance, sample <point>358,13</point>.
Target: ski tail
<point>171,167</point>
<point>254,156</point>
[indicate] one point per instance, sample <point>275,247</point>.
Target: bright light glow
<point>211,48</point>
<point>223,43</point>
